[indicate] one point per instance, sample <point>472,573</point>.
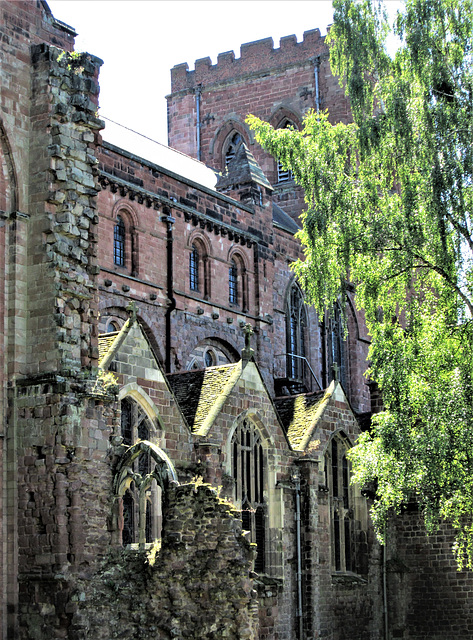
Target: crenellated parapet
<point>255,57</point>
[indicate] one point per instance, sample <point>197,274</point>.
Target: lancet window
<point>296,323</point>
<point>248,470</point>
<point>337,469</point>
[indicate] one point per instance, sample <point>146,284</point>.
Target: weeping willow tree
<point>389,208</point>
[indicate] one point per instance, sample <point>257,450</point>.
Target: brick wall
<point>428,598</point>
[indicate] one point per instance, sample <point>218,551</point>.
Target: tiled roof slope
<point>242,169</point>
<point>284,221</point>
<point>105,343</point>
<point>201,394</point>
<point>299,414</point>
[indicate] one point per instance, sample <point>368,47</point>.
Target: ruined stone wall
<point>58,427</point>
<point>198,584</point>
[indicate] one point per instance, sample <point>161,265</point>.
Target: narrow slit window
<point>233,283</point>
<point>194,269</point>
<point>119,242</point>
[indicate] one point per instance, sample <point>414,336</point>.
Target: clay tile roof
<point>299,415</point>
<point>201,394</point>
<point>105,343</point>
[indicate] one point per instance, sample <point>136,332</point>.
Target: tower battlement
<point>254,57</point>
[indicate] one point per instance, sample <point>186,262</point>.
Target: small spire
<point>131,309</point>
<point>336,371</point>
<point>247,352</point>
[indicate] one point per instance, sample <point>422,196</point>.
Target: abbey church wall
<point>175,418</point>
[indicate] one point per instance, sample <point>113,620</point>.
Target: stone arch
<point>233,123</point>
<point>126,249</point>
<point>133,390</point>
<point>238,278</point>
<point>132,453</point>
<point>282,114</point>
<point>142,473</point>
<point>347,509</point>
<point>128,210</point>
<point>255,417</point>
<point>199,263</point>
<point>224,351</point>
<point>249,464</point>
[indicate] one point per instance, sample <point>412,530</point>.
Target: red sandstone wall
<point>271,83</point>
<point>428,598</point>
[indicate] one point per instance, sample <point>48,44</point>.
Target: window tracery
<point>235,139</point>
<point>342,529</point>
<point>296,320</point>
<point>248,471</point>
<point>141,497</point>
<point>285,175</point>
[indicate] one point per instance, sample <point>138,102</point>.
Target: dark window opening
<point>233,283</point>
<point>194,269</point>
<point>296,334</point>
<point>232,148</point>
<point>119,242</point>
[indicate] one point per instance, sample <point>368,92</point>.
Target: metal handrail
<point>295,355</point>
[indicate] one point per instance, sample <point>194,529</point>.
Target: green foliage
<point>389,207</point>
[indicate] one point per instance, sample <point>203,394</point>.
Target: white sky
<point>140,41</point>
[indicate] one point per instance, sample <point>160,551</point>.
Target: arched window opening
<point>119,242</point>
<point>194,269</point>
<point>232,147</point>
<point>141,500</point>
<point>342,525</point>
<point>112,326</point>
<point>233,283</point>
<point>296,334</point>
<point>248,469</point>
<point>285,175</point>
<point>337,347</point>
<point>209,358</point>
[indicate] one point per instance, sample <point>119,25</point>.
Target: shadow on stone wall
<point>197,586</point>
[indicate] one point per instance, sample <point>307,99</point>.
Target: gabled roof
<point>284,221</point>
<point>201,394</point>
<point>242,169</point>
<point>110,342</point>
<point>105,343</point>
<point>301,413</point>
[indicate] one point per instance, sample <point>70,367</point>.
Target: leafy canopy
<point>389,208</point>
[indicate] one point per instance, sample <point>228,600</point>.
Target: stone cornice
<point>153,200</point>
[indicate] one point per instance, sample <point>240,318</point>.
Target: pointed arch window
<point>342,533</point>
<point>337,347</point>
<point>119,236</point>
<point>141,500</point>
<point>235,140</point>
<point>296,320</point>
<point>285,175</point>
<point>248,470</point>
